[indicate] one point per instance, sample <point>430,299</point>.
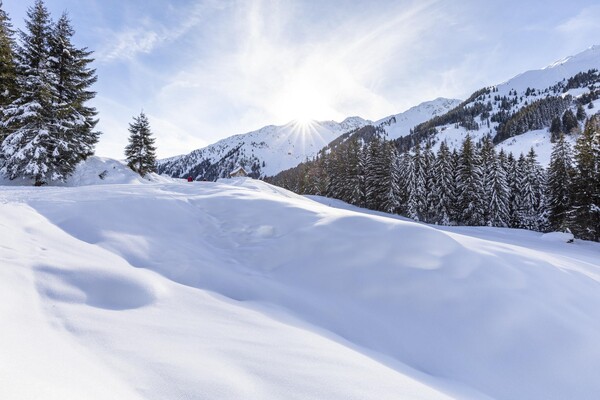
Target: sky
<point>206,70</point>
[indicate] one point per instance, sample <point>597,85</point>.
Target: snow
<point>239,289</point>
<point>565,237</point>
<point>555,72</point>
<point>399,125</point>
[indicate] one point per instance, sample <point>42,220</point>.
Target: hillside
<point>273,149</point>
<point>518,113</point>
<point>238,289</point>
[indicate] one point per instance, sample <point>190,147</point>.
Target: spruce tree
<point>416,202</point>
<point>513,179</point>
<point>51,127</point>
<point>353,179</point>
<point>560,180</point>
<point>73,132</point>
<point>391,200</point>
<point>584,217</point>
<point>487,156</point>
<point>8,70</point>
<point>529,192</point>
<point>469,185</point>
<point>569,122</point>
<point>429,182</point>
<point>444,186</point>
<point>555,129</point>
<point>499,195</point>
<point>140,152</point>
<point>28,148</point>
<point>581,115</point>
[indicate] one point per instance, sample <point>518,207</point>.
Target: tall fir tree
<point>487,156</point>
<point>140,152</point>
<point>560,182</point>
<point>584,217</point>
<point>444,186</point>
<point>415,179</point>
<point>514,175</point>
<point>499,193</point>
<point>469,184</point>
<point>28,148</point>
<point>50,125</point>
<point>74,131</point>
<point>569,122</point>
<point>429,178</point>
<point>531,193</point>
<point>8,69</point>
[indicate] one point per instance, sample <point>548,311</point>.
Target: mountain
<point>399,125</point>
<point>273,149</point>
<point>262,152</point>
<point>241,290</point>
<point>519,112</point>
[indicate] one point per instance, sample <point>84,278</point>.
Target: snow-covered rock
<point>564,237</point>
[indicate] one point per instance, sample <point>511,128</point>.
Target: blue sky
<point>205,70</point>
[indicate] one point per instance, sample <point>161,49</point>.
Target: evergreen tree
<point>555,129</point>
<point>51,127</point>
<point>560,176</point>
<point>140,151</point>
<point>531,191</point>
<point>499,195</point>
<point>404,166</point>
<point>377,174</point>
<point>487,157</point>
<point>469,185</point>
<point>416,202</point>
<point>512,181</point>
<point>429,181</point>
<point>444,186</point>
<point>8,71</point>
<point>569,122</point>
<point>391,200</point>
<point>584,217</point>
<point>353,176</point>
<point>581,115</point>
<point>28,148</point>
<point>73,132</point>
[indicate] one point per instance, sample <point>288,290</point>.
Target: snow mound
<point>97,171</point>
<point>565,237</point>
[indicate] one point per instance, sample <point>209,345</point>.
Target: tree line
<point>473,185</point>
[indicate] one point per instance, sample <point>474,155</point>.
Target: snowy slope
<point>555,72</point>
<point>284,147</point>
<point>238,289</point>
<point>399,125</point>
<point>523,90</point>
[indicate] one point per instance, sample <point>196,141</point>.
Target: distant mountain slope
<point>263,152</point>
<point>399,125</point>
<point>518,113</point>
<point>273,149</point>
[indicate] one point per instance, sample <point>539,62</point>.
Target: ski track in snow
<point>239,289</point>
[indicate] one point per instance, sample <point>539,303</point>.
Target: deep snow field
<point>125,288</point>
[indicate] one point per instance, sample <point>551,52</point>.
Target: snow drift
<point>238,289</point>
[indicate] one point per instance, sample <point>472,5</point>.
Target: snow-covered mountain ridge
<point>272,149</point>
<point>517,113</point>
<point>241,290</point>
